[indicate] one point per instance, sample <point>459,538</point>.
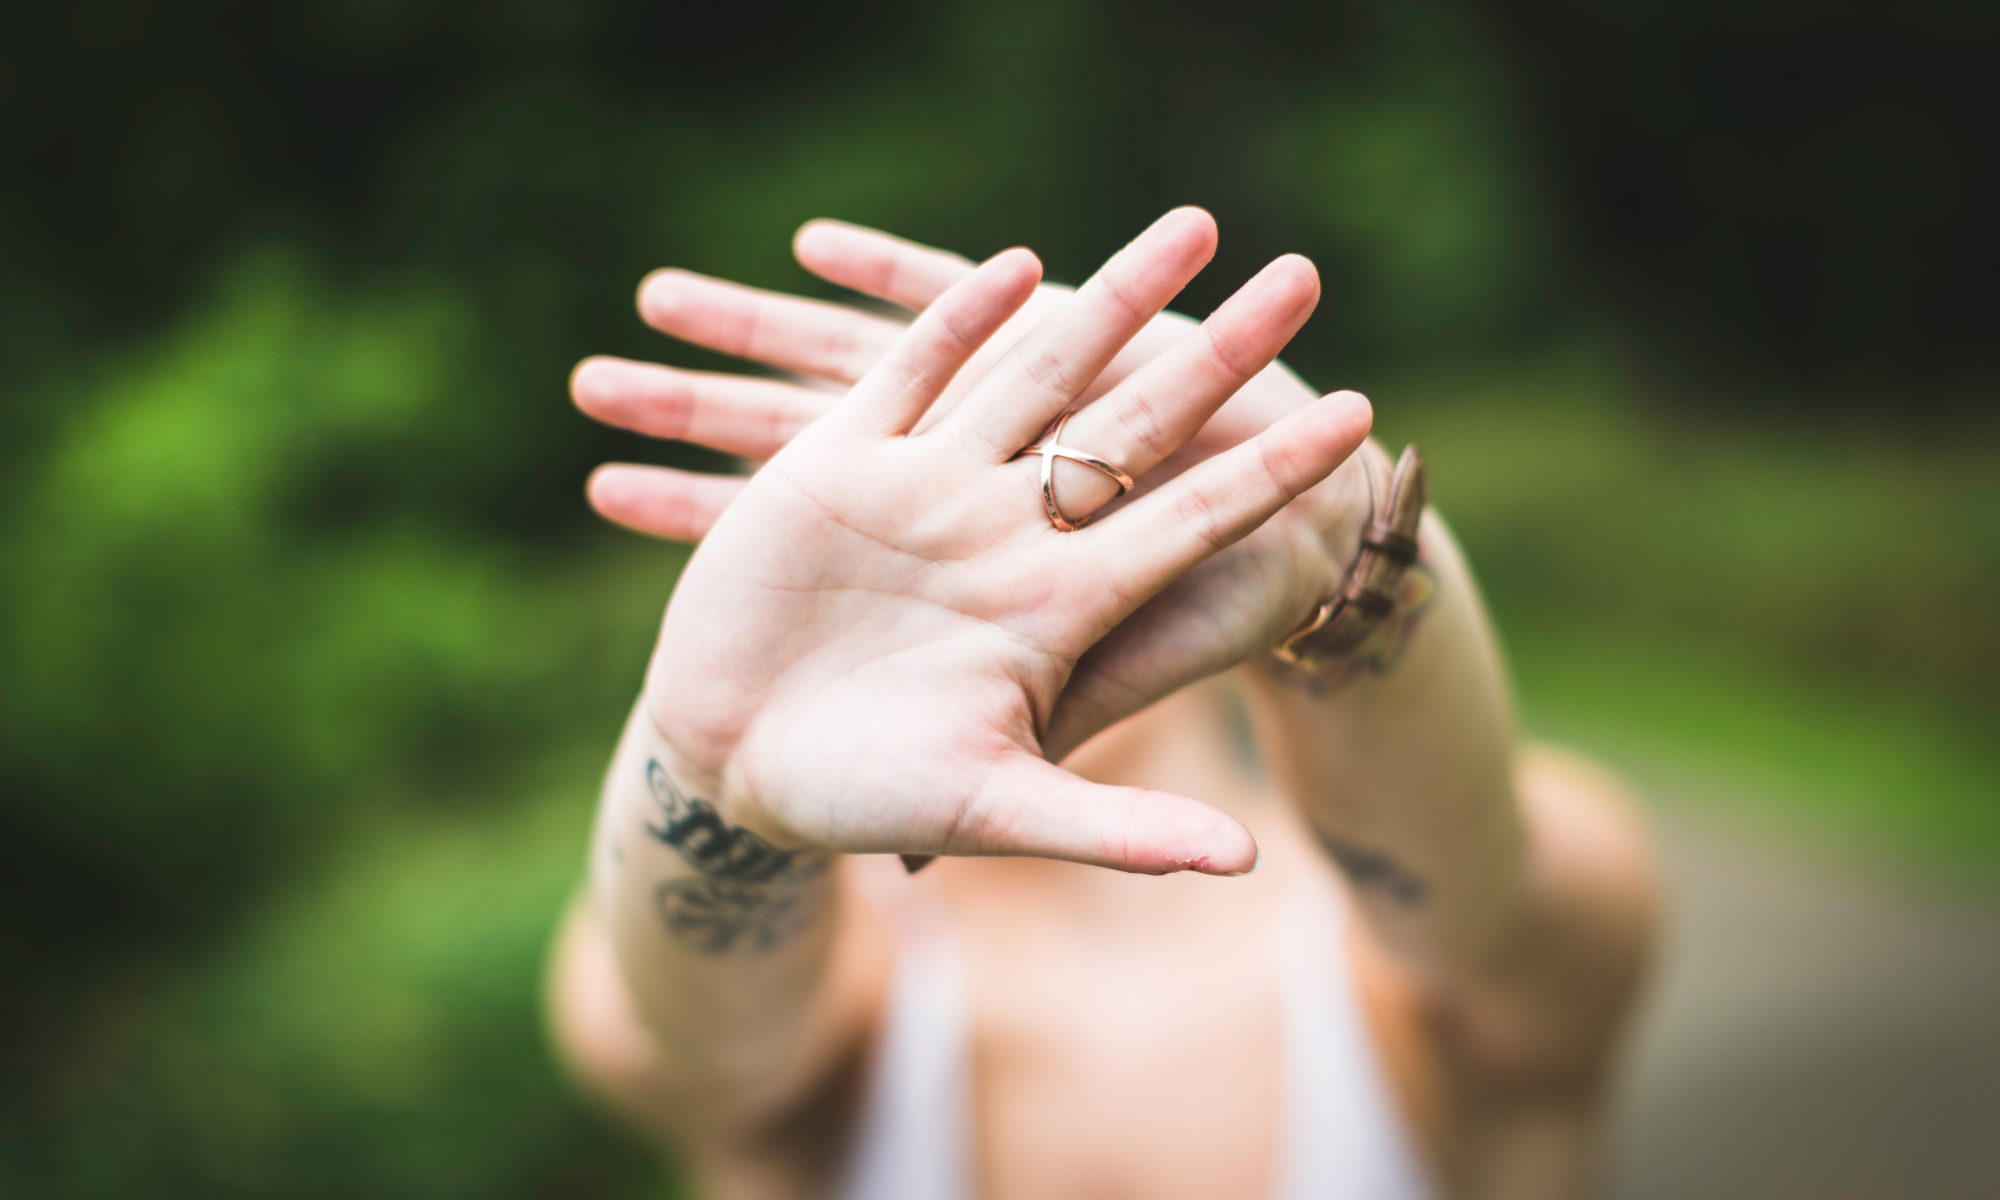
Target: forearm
<point>724,942</point>
<point>1401,758</point>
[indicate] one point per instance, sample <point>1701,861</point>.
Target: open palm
<point>871,642</point>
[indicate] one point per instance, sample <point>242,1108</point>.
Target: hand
<point>1228,609</point>
<point>862,653</point>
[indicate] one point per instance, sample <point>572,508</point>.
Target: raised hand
<point>827,347</point>
<point>1218,615</point>
<point>865,650</point>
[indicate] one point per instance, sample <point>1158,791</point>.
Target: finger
<point>680,506</point>
<point>1155,411</point>
<point>876,264</point>
<point>1031,807</point>
<point>1156,651</point>
<point>1145,546</point>
<point>915,371</point>
<point>1050,367</point>
<point>811,337</point>
<point>735,414</point>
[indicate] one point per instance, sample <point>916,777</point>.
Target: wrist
<point>682,726</point>
<point>1369,587</point>
<point>673,853</point>
<point>1341,509</point>
<point>693,770</point>
<point>715,828</point>
<point>695,759</point>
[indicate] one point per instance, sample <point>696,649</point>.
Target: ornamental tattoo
<point>1372,870</point>
<point>1379,654</point>
<point>748,899</point>
<point>1413,598</point>
<point>725,916</point>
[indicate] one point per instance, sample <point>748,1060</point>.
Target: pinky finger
<point>735,414</point>
<point>681,506</point>
<point>876,264</point>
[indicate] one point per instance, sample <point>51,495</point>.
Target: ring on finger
<point>1051,448</point>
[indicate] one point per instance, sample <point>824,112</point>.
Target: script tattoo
<point>748,898</point>
<point>713,846</point>
<point>1372,870</point>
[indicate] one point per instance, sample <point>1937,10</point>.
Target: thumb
<point>1187,633</point>
<point>1028,806</point>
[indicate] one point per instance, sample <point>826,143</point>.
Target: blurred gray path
<point>1820,1030</point>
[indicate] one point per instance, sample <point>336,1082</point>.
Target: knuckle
<point>880,273</point>
<point>740,328</point>
<point>893,278</point>
<point>975,443</point>
<point>954,327</point>
<point>675,406</point>
<point>1280,467</point>
<point>1118,291</point>
<point>1226,356</point>
<point>774,427</point>
<point>840,351</point>
<point>1198,513</point>
<point>911,378</point>
<point>1133,815</point>
<point>1143,423</point>
<point>1047,371</point>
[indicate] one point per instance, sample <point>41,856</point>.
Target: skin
<point>882,647</point>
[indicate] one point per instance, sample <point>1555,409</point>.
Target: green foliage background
<point>310,654</point>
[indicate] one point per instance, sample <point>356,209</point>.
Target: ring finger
<point>1152,413</point>
<point>1044,372</point>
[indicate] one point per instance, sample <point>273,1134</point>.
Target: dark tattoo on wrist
<point>1374,871</point>
<point>749,896</point>
<point>713,846</point>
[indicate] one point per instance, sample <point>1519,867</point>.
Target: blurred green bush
<point>279,735</point>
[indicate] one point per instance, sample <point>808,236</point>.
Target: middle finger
<point>1047,369</point>
<point>1154,412</point>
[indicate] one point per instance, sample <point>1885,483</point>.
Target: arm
<point>1523,880</point>
<point>1506,898</point>
<point>707,979</point>
<point>1525,889</point>
<point>860,657</point>
<point>1400,756</point>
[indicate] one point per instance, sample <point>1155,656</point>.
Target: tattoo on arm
<point>1374,871</point>
<point>725,916</point>
<point>1378,655</point>
<point>748,897</point>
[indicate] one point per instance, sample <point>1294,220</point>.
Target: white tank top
<point>1343,1138</point>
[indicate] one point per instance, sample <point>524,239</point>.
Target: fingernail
<point>1254,864</point>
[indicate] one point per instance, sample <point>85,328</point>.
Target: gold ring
<point>1051,449</point>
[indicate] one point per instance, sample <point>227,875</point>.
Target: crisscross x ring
<point>1051,449</point>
